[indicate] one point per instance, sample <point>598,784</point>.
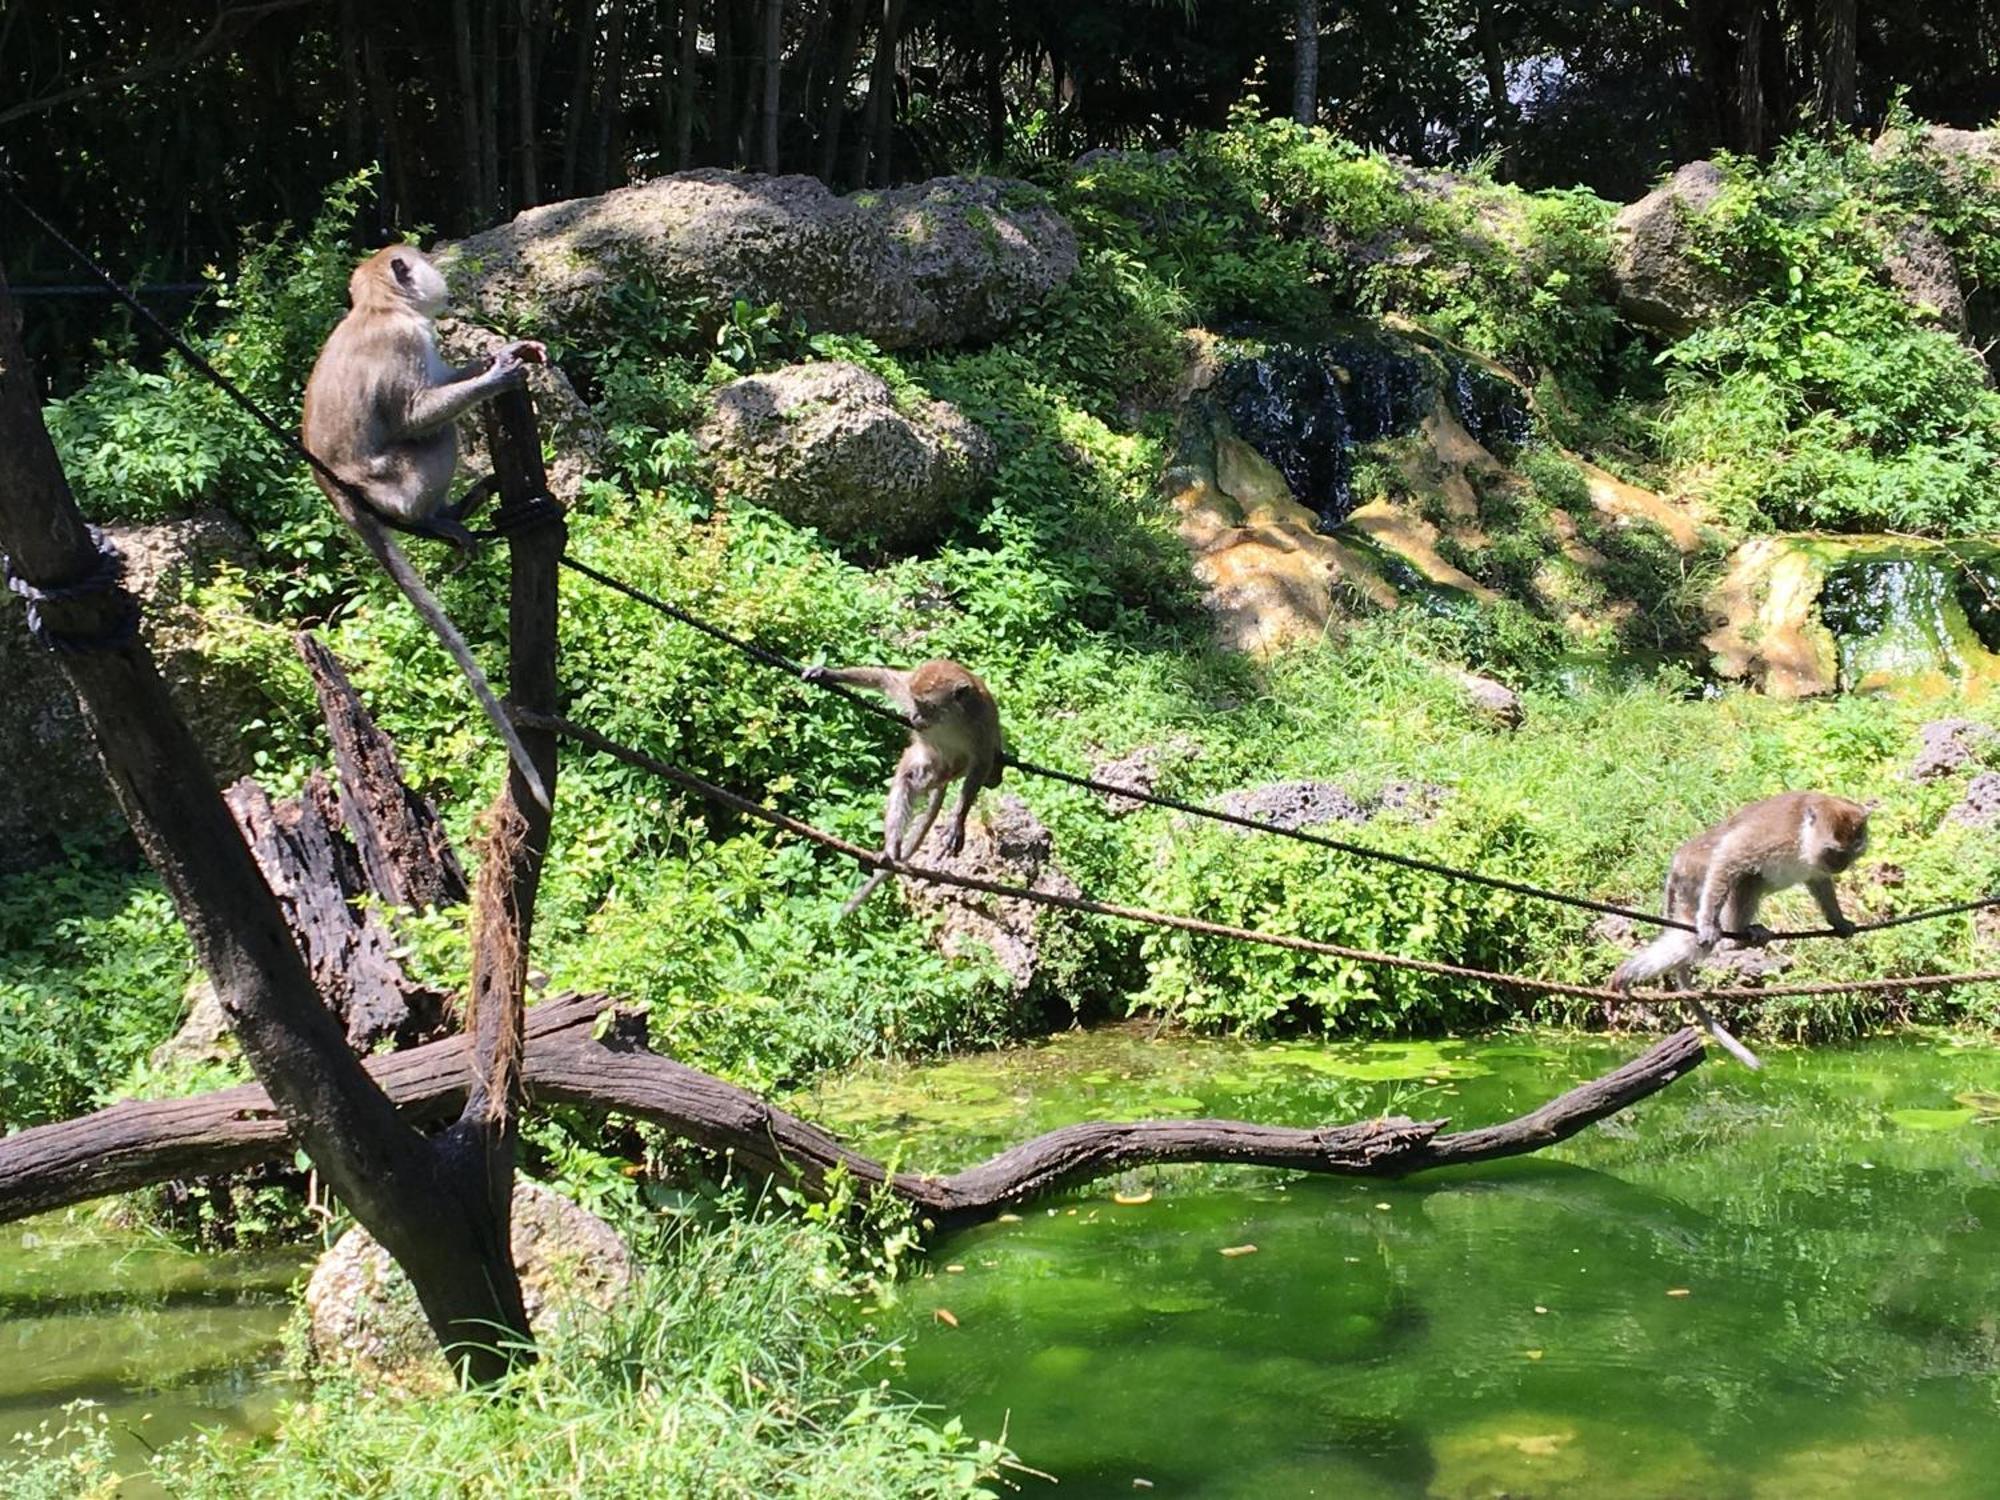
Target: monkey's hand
<point>509,360</point>
<point>1756,935</point>
<point>1843,926</point>
<point>814,673</point>
<point>530,351</point>
<point>1708,934</point>
<point>954,840</point>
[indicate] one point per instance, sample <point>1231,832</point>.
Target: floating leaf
<point>1133,1200</point>
<point>945,1316</point>
<point>1234,1250</point>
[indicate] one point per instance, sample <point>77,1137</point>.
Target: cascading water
<point>1487,407</point>
<point>1305,409</point>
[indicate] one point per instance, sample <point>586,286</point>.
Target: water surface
<point>1776,1285</point>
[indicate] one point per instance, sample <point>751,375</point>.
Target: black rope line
<point>795,669</point>
<point>107,576</point>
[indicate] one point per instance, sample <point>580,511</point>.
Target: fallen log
<point>134,1144</point>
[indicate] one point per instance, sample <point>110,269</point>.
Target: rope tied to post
<point>106,577</point>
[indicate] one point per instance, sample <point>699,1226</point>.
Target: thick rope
<point>876,860</point>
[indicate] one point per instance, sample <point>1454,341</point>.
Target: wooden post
<point>514,836</point>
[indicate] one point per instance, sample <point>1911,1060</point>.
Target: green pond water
<point>1775,1285</point>
<point>163,1339</point>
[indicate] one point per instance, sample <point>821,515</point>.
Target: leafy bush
<point>92,968</point>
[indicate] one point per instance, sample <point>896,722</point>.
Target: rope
<point>779,662</point>
<point>876,860</point>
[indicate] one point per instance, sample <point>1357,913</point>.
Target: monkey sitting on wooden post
<point>1720,876</point>
<point>381,412</point>
<point>954,736</point>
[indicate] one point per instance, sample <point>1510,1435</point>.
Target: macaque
<point>1721,876</point>
<point>381,412</point>
<point>954,736</point>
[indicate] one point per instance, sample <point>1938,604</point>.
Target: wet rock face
<point>830,446</point>
<point>363,1314</point>
<point>1304,410</point>
<point>949,261</point>
<point>54,785</point>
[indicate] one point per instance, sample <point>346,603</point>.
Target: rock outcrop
<point>53,784</point>
<point>363,1317</point>
<point>950,261</point>
<point>1660,282</point>
<point>831,446</point>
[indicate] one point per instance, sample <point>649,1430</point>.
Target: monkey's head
<point>1835,834</point>
<point>399,275</point>
<point>943,690</point>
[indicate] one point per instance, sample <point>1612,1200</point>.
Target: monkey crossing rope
<point>779,662</point>
<point>876,860</point>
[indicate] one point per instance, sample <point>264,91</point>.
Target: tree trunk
<point>878,114</point>
<point>1305,62</point>
<point>1750,83</point>
<point>684,84</point>
<point>382,104</point>
<point>844,51</point>
<point>1833,98</point>
<point>577,126</point>
<point>355,104</point>
<point>607,154</point>
<point>992,67</point>
<point>722,148</point>
<point>490,185</point>
<point>471,170</point>
<point>1493,63</point>
<point>774,59</point>
<point>526,169</point>
<point>436,1222</point>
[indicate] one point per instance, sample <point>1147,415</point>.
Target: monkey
<point>955,735</point>
<point>381,412</point>
<point>1719,878</point>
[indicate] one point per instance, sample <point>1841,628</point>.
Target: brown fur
<point>381,409</point>
<point>955,735</point>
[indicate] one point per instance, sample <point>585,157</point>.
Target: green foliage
<point>1824,400</point>
<point>92,968</point>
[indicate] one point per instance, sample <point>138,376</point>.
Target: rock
<point>54,785</point>
<point>830,446</point>
<point>1948,745</point>
<point>568,427</point>
<point>363,1317</point>
<point>205,1036</point>
<point>1919,265</point>
<point>1495,700</point>
<point>1297,804</point>
<point>1660,284</point>
<point>949,261</point>
<point>1768,630</point>
<point>1980,806</point>
<point>1968,159</point>
<point>1004,841</point>
<point>1139,771</point>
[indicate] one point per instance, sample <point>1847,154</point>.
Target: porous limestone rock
<point>362,1314</point>
<point>54,785</point>
<point>830,446</point>
<point>1660,282</point>
<point>949,261</point>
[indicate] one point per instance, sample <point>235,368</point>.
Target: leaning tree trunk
<point>1833,94</point>
<point>1750,82</point>
<point>1305,62</point>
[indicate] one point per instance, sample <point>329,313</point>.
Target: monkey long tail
<point>1724,1040</point>
<point>861,894</point>
<point>398,567</point>
<point>1669,951</point>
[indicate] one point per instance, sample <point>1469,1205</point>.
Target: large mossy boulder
<point>54,785</point>
<point>831,446</point>
<point>1661,282</point>
<point>951,261</point>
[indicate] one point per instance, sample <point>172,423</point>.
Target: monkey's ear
<point>401,268</point>
<point>1870,805</point>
